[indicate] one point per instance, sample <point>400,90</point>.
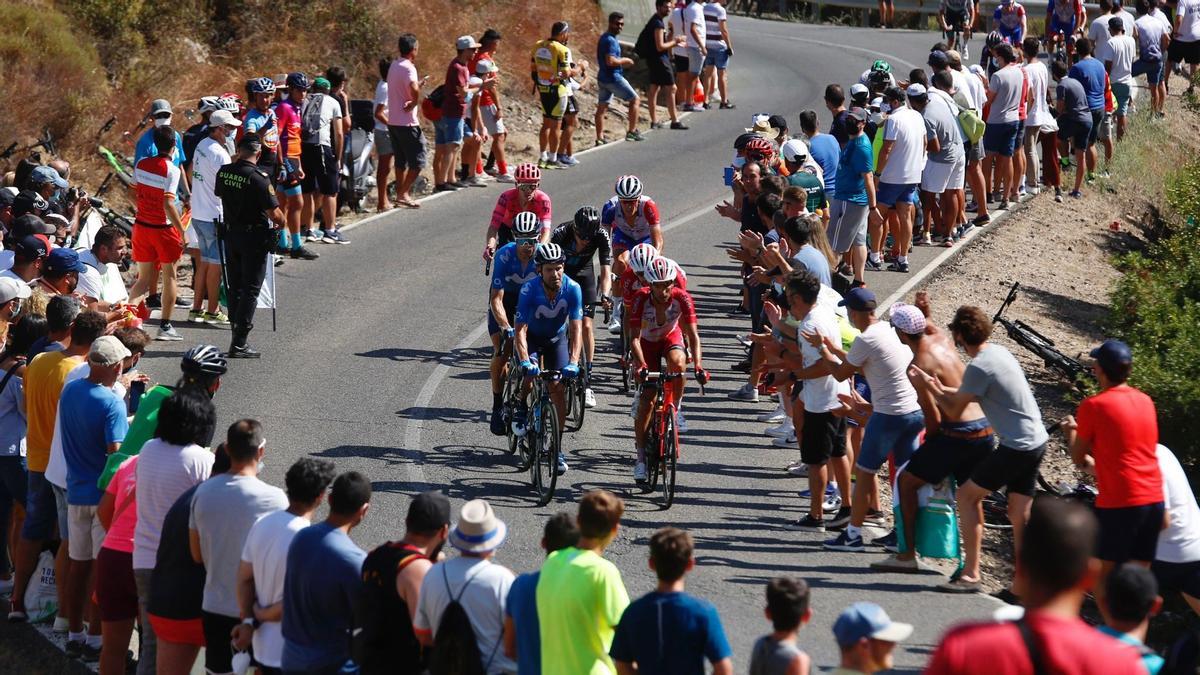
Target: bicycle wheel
<point>653,455</point>
<point>512,390</point>
<point>670,446</point>
<point>626,373</point>
<point>546,447</point>
<point>575,410</point>
<point>995,512</point>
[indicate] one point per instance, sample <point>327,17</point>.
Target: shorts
<point>510,313</point>
<point>1056,26</point>
<point>939,177</point>
<point>41,513</point>
<point>1183,577</point>
<point>1016,470</point>
<point>1107,127</point>
<point>492,120</point>
<point>190,241</point>
<point>662,73</point>
<point>571,107</point>
<point>320,169</point>
<point>554,101</point>
<point>586,278</point>
<point>847,225</point>
<point>1129,533</point>
<point>161,245</point>
<point>974,150</point>
<point>653,351</point>
<point>717,57</point>
<point>622,242</point>
<point>1078,133</point>
<point>1020,134</point>
<point>180,631</point>
<point>117,596</point>
<point>408,147</point>
<point>889,434</point>
<point>218,650</point>
<point>206,240</point>
<point>448,131</point>
<point>823,437</point>
<point>288,185</point>
<point>85,533</point>
<point>1097,121</point>
<point>942,455</point>
<point>1151,68</point>
<point>383,142</point>
<point>1121,91</point>
<point>553,350</point>
<point>691,62</point>
<point>892,194</point>
<point>1184,52</point>
<point>957,20</point>
<point>14,479</point>
<point>619,87</point>
<point>1000,138</point>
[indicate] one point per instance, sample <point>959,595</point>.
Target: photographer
<point>70,203</point>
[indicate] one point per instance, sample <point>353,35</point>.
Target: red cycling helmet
<point>761,147</point>
<point>527,173</point>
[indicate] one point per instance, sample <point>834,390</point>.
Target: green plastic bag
<point>937,523</point>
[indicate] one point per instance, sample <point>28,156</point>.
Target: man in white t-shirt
<point>383,141</point>
<point>1177,560</point>
<point>1185,41</point>
<point>100,283</point>
<point>1154,39</point>
<point>478,584</point>
<point>1118,57</point>
<point>688,22</point>
<point>901,162</point>
<point>264,561</point>
<point>1038,113</point>
<point>720,49</point>
<point>211,154</point>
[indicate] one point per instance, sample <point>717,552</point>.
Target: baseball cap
<point>858,114</point>
<point>908,319</point>
<point>32,247</point>
<point>159,105</point>
<point>465,42</point>
<point>938,58</point>
<point>485,66</point>
<point>28,224</point>
<point>6,198</point>
<point>1112,353</point>
<point>321,84</point>
<point>859,299</point>
<point>428,512</point>
<point>868,620</point>
<point>11,289</point>
<point>107,350</point>
<point>916,90</point>
<point>223,118</point>
<point>61,261</point>
<point>794,150</point>
<point>45,174</point>
<point>858,89</point>
<point>777,122</point>
<point>297,81</point>
<point>28,201</point>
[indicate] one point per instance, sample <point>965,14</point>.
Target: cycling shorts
<point>622,242</point>
<point>1057,26</point>
<point>554,101</point>
<point>654,350</point>
<point>510,313</point>
<point>956,19</point>
<point>553,350</point>
<point>586,278</point>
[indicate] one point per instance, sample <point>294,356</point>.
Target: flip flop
<point>407,203</point>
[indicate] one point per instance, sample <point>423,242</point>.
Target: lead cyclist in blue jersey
<point>512,268</point>
<point>582,240</point>
<point>549,324</point>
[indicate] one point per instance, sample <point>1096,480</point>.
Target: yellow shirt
<point>550,58</point>
<point>44,379</point>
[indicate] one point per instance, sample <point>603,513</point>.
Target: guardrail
<point>816,8</point>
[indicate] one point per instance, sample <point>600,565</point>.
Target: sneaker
<point>600,142</point>
<point>520,415</point>
<point>154,301</point>
<point>798,469</point>
<point>874,265</point>
<point>17,617</point>
<point>167,332</point>
<point>960,585</point>
<point>196,316</point>
<point>74,648</point>
<point>832,502</point>
<point>807,524</point>
<point>876,518</point>
<point>561,468</point>
<point>775,416</point>
<point>568,160</point>
<point>243,352</point>
<point>784,430</point>
<point>746,392</point>
<point>973,206</point>
<point>304,253</point>
<point>639,472</point>
<point>679,126</point>
<point>458,185</point>
<point>890,542</point>
<point>90,654</point>
<point>844,542</point>
<point>1058,196</point>
<point>217,318</point>
<point>474,181</point>
<point>61,625</point>
<point>496,424</point>
<point>635,135</point>
<point>276,260</point>
<point>1075,194</point>
<point>335,237</point>
<point>788,442</point>
<point>899,267</point>
<point>1021,192</point>
<point>589,399</point>
<point>680,422</point>
<point>658,125</point>
<point>309,236</point>
<point>829,490</point>
<point>927,240</point>
<point>896,565</point>
<point>614,327</point>
<point>841,518</point>
<point>1104,174</point>
<point>980,221</point>
<point>446,187</point>
<point>1003,205</point>
<point>726,105</point>
<point>505,178</point>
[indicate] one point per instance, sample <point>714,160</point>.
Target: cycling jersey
<point>958,7</point>
<point>550,58</point>
<point>509,205</point>
<point>509,275</point>
<point>643,318</point>
<point>579,260</point>
<point>1008,23</point>
<point>644,218</point>
<point>631,284</point>
<point>265,125</point>
<point>154,178</point>
<point>287,116</point>
<point>544,319</point>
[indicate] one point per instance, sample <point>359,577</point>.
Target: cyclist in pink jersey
<point>525,197</point>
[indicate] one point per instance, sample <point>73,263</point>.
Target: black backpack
<point>455,649</point>
<point>645,47</point>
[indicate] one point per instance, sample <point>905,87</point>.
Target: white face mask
<point>995,62</point>
<point>876,118</point>
<point>162,121</point>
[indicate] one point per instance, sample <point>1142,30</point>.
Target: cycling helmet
<point>204,360</point>
<point>230,104</point>
<point>994,38</point>
<point>661,269</point>
<point>762,147</point>
<point>208,104</point>
<point>629,187</point>
<point>262,85</point>
<point>881,66</point>
<point>587,221</point>
<point>548,254</point>
<point>526,225</point>
<point>640,256</point>
<point>527,173</point>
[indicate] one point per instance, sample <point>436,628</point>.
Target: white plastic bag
<point>41,597</point>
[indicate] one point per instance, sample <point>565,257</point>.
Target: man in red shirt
<point>450,128</point>
<point>1114,435</point>
<point>1054,572</point>
<point>158,232</point>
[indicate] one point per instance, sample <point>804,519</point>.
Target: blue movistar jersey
<point>508,274</point>
<point>543,318</point>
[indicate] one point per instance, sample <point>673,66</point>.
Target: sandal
<point>408,203</point>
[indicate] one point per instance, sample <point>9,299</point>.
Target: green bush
<point>1156,310</point>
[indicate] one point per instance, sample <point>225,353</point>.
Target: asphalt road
<point>379,364</point>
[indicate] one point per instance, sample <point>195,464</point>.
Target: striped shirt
<point>154,178</point>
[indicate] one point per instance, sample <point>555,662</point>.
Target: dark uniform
<point>247,198</point>
<point>579,262</point>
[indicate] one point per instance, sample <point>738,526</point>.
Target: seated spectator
<point>522,634</point>
<point>1130,599</point>
<point>866,636</point>
<point>787,608</point>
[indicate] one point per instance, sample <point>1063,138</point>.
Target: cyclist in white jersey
<point>632,218</point>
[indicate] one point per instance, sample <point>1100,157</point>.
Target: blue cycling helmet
<point>262,85</point>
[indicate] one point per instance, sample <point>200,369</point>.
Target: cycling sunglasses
<point>527,187</point>
<point>526,242</point>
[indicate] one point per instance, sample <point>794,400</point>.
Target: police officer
<point>252,219</point>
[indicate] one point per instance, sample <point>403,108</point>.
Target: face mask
<point>739,162</point>
<point>876,118</point>
<point>778,287</point>
<point>995,62</point>
<point>230,146</point>
<point>162,121</point>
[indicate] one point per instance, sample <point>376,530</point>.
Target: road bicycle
<point>511,398</point>
<point>958,37</point>
<point>662,440</point>
<point>543,437</point>
<point>1042,346</point>
<point>574,390</point>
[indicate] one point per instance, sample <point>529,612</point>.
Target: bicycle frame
<point>1042,346</point>
<point>662,405</point>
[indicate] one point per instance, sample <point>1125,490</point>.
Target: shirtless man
<point>954,444</point>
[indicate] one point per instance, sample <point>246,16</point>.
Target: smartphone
<point>136,389</point>
<point>729,171</point>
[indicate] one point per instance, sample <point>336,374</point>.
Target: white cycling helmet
<point>525,225</point>
<point>640,256</point>
<point>548,254</point>
<point>629,187</point>
<point>661,269</point>
<point>208,104</point>
<point>228,103</point>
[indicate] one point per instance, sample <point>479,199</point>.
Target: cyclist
<point>1009,21</point>
<point>513,267</point>
<point>878,77</point>
<point>1063,18</point>
<point>957,16</point>
<point>661,314</point>
<point>202,367</point>
<point>992,41</point>
<point>580,240</point>
<point>632,219</point>
<point>524,197</point>
<point>549,322</point>
<point>260,119</point>
<point>287,116</point>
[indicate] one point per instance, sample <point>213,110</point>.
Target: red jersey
<point>485,95</point>
<point>509,205</point>
<point>1121,425</point>
<point>154,179</point>
<point>630,284</point>
<point>643,318</point>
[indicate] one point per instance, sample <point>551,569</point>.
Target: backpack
<point>645,46</point>
<point>431,105</point>
<point>455,649</point>
<point>310,118</point>
<point>386,642</point>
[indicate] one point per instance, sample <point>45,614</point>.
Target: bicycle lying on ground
<point>1042,346</point>
<point>995,505</point>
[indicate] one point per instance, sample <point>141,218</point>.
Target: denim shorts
<point>717,56</point>
<point>895,434</point>
<point>1000,138</point>
<point>891,194</point>
<point>619,87</point>
<point>41,511</point>
<point>1076,132</point>
<point>448,131</point>
<point>1123,93</point>
<point>206,238</point>
<point>1151,68</point>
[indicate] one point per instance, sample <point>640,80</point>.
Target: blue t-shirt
<point>670,633</point>
<point>145,148</point>
<point>508,274</point>
<point>521,607</point>
<point>856,159</point>
<point>826,151</point>
<point>546,320</point>
<point>1090,73</point>
<point>321,592</point>
<point>91,417</point>
<point>1153,662</point>
<point>605,47</point>
<point>814,261</point>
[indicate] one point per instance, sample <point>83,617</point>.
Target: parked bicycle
<point>1042,346</point>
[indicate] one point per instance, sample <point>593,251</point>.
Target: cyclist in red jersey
<point>662,315</point>
<point>525,197</point>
